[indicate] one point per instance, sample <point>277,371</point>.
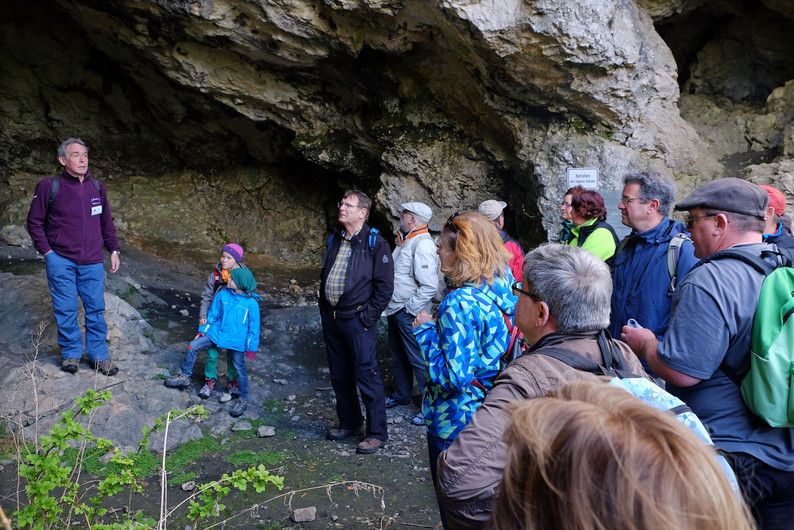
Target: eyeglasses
<point>692,219</point>
<point>517,288</point>
<point>346,205</point>
<point>627,200</point>
<point>451,222</point>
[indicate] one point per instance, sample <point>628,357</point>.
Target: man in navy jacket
<point>641,283</point>
<point>70,222</point>
<point>356,285</point>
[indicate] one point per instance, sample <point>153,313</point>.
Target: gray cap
<point>419,209</point>
<point>728,195</point>
<point>492,209</point>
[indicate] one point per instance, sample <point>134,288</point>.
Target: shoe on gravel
<point>70,365</point>
<point>238,408</point>
<point>178,381</point>
<point>206,390</point>
<point>106,367</point>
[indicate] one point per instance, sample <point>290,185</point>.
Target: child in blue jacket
<point>232,323</point>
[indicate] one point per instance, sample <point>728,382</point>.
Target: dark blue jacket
<point>640,279</point>
<point>370,277</point>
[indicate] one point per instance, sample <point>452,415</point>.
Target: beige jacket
<point>470,471</point>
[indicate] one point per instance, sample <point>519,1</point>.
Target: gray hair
<point>575,284</point>
<point>654,185</point>
<point>364,202</point>
<point>741,222</point>
<point>68,142</point>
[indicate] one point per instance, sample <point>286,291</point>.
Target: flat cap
<point>419,209</point>
<point>492,209</point>
<point>728,195</point>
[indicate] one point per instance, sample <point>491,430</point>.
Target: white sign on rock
<point>586,177</point>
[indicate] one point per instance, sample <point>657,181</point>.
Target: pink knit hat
<point>235,251</point>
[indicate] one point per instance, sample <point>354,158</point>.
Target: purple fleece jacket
<point>77,224</point>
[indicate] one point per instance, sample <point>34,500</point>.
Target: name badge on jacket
<point>96,210</point>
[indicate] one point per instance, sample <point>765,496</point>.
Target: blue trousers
<point>237,359</point>
<point>67,280</point>
<point>768,491</point>
<point>408,361</point>
<point>352,363</point>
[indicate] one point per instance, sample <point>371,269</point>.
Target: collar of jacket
<point>364,230</point>
<point>589,222</point>
<point>419,230</point>
<point>553,339</point>
<point>776,234</point>
<point>88,175</point>
<point>662,232</point>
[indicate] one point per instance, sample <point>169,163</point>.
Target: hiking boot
<point>339,433</point>
<point>106,367</point>
<point>70,365</point>
<point>231,392</point>
<point>368,446</point>
<point>206,390</point>
<point>178,381</point>
<point>238,408</point>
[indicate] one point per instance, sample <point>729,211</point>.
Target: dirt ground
<point>395,489</point>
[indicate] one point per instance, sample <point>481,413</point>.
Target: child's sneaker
<point>206,390</point>
<point>232,391</point>
<point>178,381</point>
<point>238,408</point>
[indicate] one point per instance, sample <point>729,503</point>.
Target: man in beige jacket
<point>563,303</point>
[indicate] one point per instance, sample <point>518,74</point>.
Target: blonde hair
<point>594,457</point>
<point>479,250</point>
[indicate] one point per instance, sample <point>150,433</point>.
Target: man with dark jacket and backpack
<point>705,353</point>
<point>655,256</point>
<point>563,303</point>
<point>356,284</point>
<point>70,222</point>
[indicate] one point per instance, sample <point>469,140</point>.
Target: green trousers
<point>211,365</point>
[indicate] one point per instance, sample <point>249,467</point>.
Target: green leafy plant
<point>51,469</point>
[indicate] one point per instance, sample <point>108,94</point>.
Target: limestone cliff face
<point>243,119</point>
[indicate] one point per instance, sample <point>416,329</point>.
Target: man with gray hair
<point>563,304</point>
<point>70,223</point>
<point>416,269</point>
<point>652,259</point>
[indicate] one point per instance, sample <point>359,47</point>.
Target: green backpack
<point>768,388</point>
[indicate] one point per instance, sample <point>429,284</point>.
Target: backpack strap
<point>372,240</point>
<point>673,255</point>
<point>757,262</point>
<point>614,362</point>
<point>574,360</point>
<point>55,184</point>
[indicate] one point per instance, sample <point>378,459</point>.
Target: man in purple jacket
<point>69,221</point>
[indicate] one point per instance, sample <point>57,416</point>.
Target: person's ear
<point>721,221</point>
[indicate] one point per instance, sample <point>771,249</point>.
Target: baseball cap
<point>492,209</point>
<point>776,199</point>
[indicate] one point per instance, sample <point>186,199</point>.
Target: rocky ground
<point>152,306</point>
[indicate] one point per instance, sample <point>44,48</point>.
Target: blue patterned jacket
<point>464,344</point>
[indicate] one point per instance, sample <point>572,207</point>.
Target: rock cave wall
<point>240,119</point>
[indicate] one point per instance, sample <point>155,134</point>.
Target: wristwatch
<point>116,252</point>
